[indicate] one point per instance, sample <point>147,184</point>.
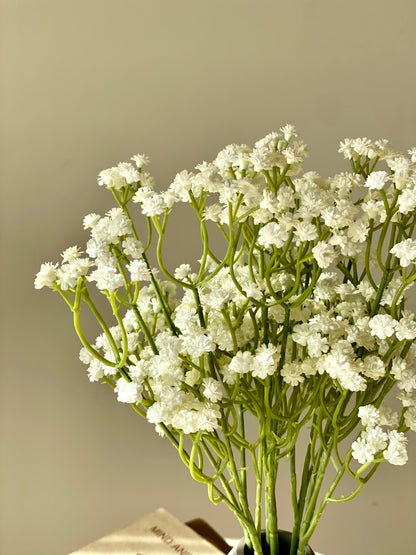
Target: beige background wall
<point>88,83</point>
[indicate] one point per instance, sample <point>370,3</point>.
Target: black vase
<point>284,545</point>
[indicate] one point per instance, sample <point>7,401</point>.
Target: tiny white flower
<point>346,148</point>
<point>197,344</point>
<point>362,145</point>
<point>212,389</point>
<point>407,200</point>
<point>265,361</point>
<point>371,441</point>
<point>405,251</point>
<point>292,373</point>
<point>367,290</point>
<point>129,172</point>
<point>369,415</point>
<point>107,278</point>
<point>169,198</point>
<point>399,368</point>
<point>127,392</point>
<point>182,184</point>
<point>374,209</point>
<point>71,254</point>
<point>272,234</point>
<point>324,254</point>
<point>377,180</point>
<point>289,131</point>
<point>358,231</point>
<point>362,451</point>
<point>182,271</point>
<point>306,231</point>
<point>153,206</point>
<point>132,247</point>
<point>143,193</point>
<point>67,276</point>
<point>376,437</point>
<point>242,363</point>
<point>382,326</point>
<point>212,212</point>
<point>140,160</point>
<point>112,178</point>
<point>396,452</point>
<point>139,371</point>
<point>46,276</point>
<point>91,220</point>
<point>138,270</point>
<point>353,381</point>
<point>373,367</point>
<point>406,328</point>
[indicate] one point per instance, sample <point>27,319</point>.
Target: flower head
<point>46,276</point>
<point>405,251</point>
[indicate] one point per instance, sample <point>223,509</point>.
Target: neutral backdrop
<point>88,83</point>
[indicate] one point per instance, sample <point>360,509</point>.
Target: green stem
<point>295,507</point>
<point>271,508</point>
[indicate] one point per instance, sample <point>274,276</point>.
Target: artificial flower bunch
<point>297,321</point>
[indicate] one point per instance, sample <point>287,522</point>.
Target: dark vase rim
<point>284,544</point>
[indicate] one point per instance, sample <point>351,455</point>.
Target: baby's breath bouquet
<point>297,320</point>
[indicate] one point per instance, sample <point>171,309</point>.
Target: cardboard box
<point>159,533</point>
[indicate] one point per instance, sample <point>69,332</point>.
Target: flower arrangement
<point>300,324</point>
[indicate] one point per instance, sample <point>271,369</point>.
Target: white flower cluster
<point>374,439</point>
<point>295,298</point>
<point>111,238</point>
